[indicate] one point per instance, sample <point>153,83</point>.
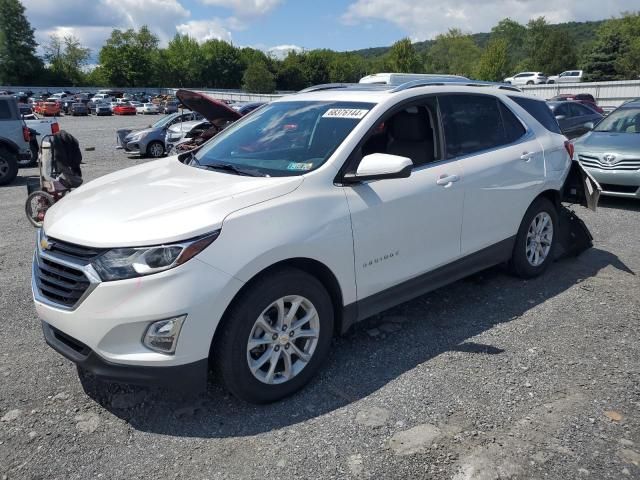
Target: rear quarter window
<point>540,111</point>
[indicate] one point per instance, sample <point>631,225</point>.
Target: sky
<point>278,26</point>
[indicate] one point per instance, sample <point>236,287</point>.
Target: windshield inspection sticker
<point>300,166</point>
<point>353,113</point>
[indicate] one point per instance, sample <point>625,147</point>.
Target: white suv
<point>316,211</point>
<point>527,78</point>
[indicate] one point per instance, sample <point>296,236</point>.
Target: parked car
<point>113,105</point>
<point>574,118</point>
<point>584,98</point>
<point>611,152</point>
<point>318,210</point>
<point>102,109</point>
<point>246,108</point>
<point>78,109</point>
<point>104,97</point>
<point>14,139</point>
<point>215,117</point>
<point>400,78</point>
<point>527,78</point>
<point>150,141</point>
<point>170,107</point>
<point>148,109</point>
<point>124,109</point>
<point>570,76</point>
<point>49,109</point>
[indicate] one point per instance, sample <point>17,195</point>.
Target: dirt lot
<point>489,378</point>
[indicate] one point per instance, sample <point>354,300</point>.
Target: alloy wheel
<point>539,239</point>
<point>156,150</point>
<point>283,339</point>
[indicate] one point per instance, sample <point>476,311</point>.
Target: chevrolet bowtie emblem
<point>44,244</point>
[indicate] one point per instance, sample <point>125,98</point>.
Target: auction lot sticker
<point>353,113</point>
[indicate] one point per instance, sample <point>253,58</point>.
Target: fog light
<point>162,336</point>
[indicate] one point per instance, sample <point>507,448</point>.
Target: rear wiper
<point>228,167</point>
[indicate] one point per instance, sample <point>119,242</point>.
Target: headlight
<point>122,263</point>
<point>135,137</point>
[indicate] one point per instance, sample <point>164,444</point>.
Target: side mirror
<point>380,166</point>
<point>589,126</point>
<point>560,117</point>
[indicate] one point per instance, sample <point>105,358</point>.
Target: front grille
<point>608,187</point>
<point>596,162</point>
<point>59,283</point>
<point>73,251</point>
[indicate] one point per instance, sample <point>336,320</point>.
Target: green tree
<point>130,58</point>
<point>513,34</point>
<point>19,64</point>
<point>222,65</point>
<point>537,32</point>
<point>258,79</point>
<point>96,77</point>
<point>494,62</point>
<point>601,63</point>
<point>403,57</point>
<point>557,53</point>
<point>454,53</point>
<point>290,74</point>
<point>184,61</point>
<point>66,59</point>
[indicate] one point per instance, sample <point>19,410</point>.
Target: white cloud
<point>281,51</point>
<point>423,20</point>
<point>203,30</point>
<point>247,8</point>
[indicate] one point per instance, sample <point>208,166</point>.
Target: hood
<point>157,202</point>
<point>609,142</point>
<point>207,107</point>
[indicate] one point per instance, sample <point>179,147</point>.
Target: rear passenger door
<point>502,166</point>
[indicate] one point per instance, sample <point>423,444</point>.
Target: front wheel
<point>155,149</point>
<point>275,337</point>
<point>535,243</point>
<point>530,82</point>
<point>36,207</point>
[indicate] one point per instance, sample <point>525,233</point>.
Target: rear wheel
<point>155,149</point>
<point>534,249</point>
<point>36,207</point>
<point>8,166</point>
<point>275,337</point>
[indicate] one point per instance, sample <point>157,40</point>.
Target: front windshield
<point>284,138</point>
<point>624,120</point>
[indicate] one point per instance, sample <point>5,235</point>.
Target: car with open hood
<point>150,141</point>
<point>318,210</point>
<point>216,116</point>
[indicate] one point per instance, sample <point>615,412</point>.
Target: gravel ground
<point>489,378</point>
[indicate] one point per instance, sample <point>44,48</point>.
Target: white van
<point>103,97</point>
<point>400,78</point>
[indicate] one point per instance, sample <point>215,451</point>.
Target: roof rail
<point>324,86</point>
<point>448,80</point>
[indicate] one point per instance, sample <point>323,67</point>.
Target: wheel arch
<point>311,266</point>
<point>9,145</point>
<point>552,195</point>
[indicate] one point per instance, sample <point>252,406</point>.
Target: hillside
<point>581,32</point>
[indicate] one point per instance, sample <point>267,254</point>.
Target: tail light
<point>55,128</point>
<point>570,149</point>
<point>26,134</point>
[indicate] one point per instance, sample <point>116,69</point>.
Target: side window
<point>471,123</point>
<point>579,110</point>
<point>513,128</point>
<point>5,110</point>
<point>412,132</point>
<point>563,110</point>
<point>540,111</point>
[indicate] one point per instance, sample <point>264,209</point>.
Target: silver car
<point>151,141</point>
<point>611,152</point>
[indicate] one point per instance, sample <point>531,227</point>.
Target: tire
<point>8,166</point>
<point>524,261</point>
<point>155,149</point>
<point>36,207</point>
<point>231,352</point>
<point>529,82</point>
<point>551,82</point>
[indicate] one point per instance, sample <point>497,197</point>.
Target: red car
<point>584,98</point>
<point>124,109</point>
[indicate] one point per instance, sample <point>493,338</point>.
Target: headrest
<point>410,127</point>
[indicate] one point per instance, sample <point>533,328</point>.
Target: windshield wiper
<point>228,167</point>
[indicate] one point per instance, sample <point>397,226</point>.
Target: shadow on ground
<point>364,360</point>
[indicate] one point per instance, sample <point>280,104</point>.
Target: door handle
<point>526,156</point>
<point>446,180</point>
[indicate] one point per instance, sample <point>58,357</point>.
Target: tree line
<point>606,50</point>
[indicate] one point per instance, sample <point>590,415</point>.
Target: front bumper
<point>617,183</point>
<point>188,377</point>
<point>102,332</point>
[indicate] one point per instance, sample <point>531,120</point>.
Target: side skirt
<point>463,267</point>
